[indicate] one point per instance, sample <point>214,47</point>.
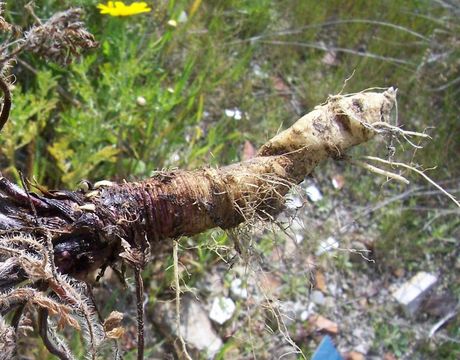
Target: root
<point>67,300</point>
<point>177,300</point>
<point>385,128</point>
<point>140,312</point>
<point>79,232</point>
<point>5,114</point>
<point>60,351</point>
<point>421,173</point>
<point>379,171</point>
<point>281,325</point>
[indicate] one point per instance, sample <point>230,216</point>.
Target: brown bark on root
<point>94,228</point>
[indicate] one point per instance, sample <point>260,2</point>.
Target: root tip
<point>391,93</point>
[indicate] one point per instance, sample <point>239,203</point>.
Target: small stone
<point>234,113</point>
<point>327,245</point>
<point>87,207</point>
<point>329,302</point>
<point>296,232</point>
<point>362,348</point>
<point>257,70</point>
<point>304,315</point>
<point>411,294</point>
<point>195,326</point>
<point>330,58</point>
<point>172,23</point>
<point>237,289</point>
<point>334,290</point>
<point>313,193</point>
<point>293,311</point>
<point>317,297</point>
<point>293,202</point>
<point>281,86</point>
<point>222,309</point>
<point>298,238</point>
<point>141,101</point>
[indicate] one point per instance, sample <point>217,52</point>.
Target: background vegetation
<point>155,93</point>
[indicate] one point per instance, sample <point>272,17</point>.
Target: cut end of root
<point>330,129</point>
<point>390,94</point>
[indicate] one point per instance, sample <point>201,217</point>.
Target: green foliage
<point>394,338</point>
<point>188,78</point>
<point>30,113</point>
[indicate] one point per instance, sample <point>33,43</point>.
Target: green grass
<point>204,65</point>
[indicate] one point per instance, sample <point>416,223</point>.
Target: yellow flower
<point>118,8</point>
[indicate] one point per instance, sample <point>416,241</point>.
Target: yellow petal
<point>118,8</point>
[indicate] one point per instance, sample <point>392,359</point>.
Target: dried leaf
<point>130,254</point>
<point>67,319</point>
<point>354,355</point>
<point>320,323</point>
<point>35,269</point>
<point>58,309</point>
<point>134,256</point>
<point>115,333</point>
<point>399,272</point>
<point>320,282</point>
<point>389,356</point>
<point>338,181</point>
<point>113,321</point>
